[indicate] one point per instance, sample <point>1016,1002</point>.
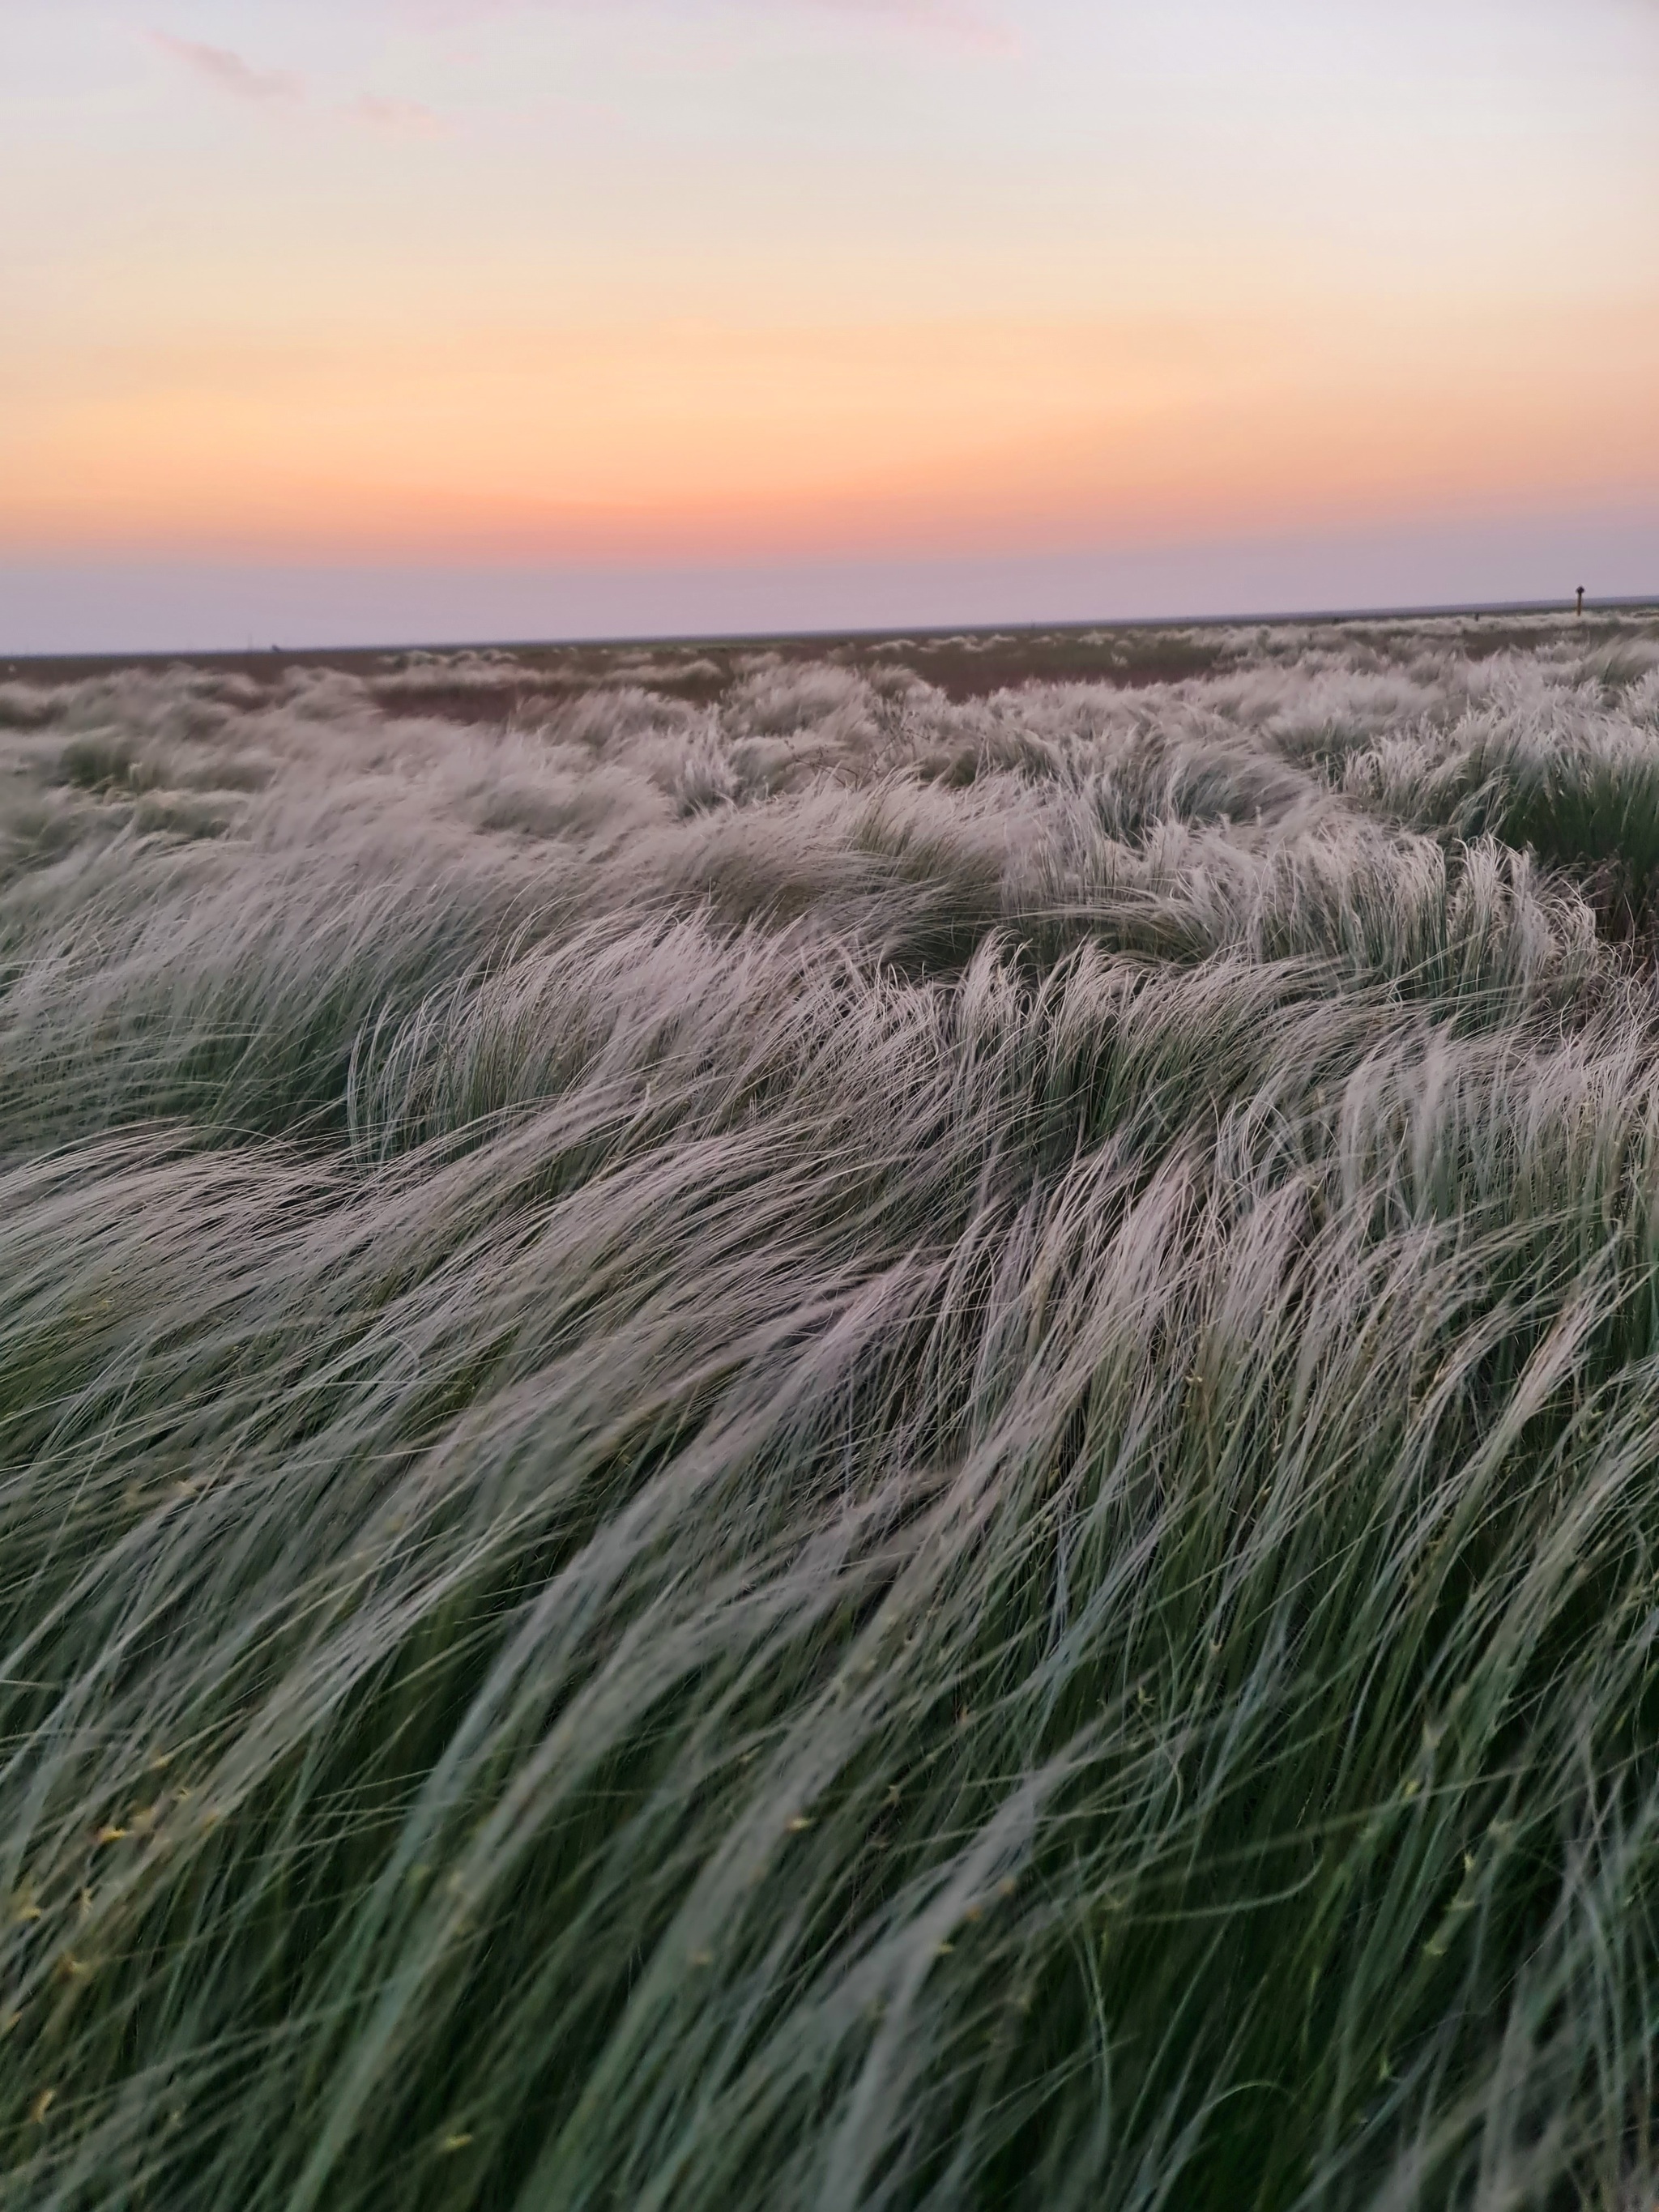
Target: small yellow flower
<point>451,2143</point>
<point>111,1835</point>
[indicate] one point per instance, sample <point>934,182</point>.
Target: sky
<point>386,319</point>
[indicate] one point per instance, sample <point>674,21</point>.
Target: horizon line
<point>896,632</point>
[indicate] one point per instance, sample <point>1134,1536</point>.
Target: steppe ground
<point>867,1425</point>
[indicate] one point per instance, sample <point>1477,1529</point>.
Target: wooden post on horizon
<point>1581,603</point>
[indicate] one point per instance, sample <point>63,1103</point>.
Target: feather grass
<point>737,1472</point>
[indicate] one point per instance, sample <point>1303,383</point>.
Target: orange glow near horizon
<point>685,440</point>
<point>706,280</point>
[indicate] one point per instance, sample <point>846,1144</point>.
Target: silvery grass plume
<point>789,1430</point>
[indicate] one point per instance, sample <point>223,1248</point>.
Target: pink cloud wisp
<point>406,117</point>
<point>965,26</point>
<point>228,72</point>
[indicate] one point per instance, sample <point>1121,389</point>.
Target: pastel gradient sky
<point>498,317</point>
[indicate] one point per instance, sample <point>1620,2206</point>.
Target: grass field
<point>815,1429</point>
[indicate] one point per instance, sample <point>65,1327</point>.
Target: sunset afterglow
<point>672,283</point>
